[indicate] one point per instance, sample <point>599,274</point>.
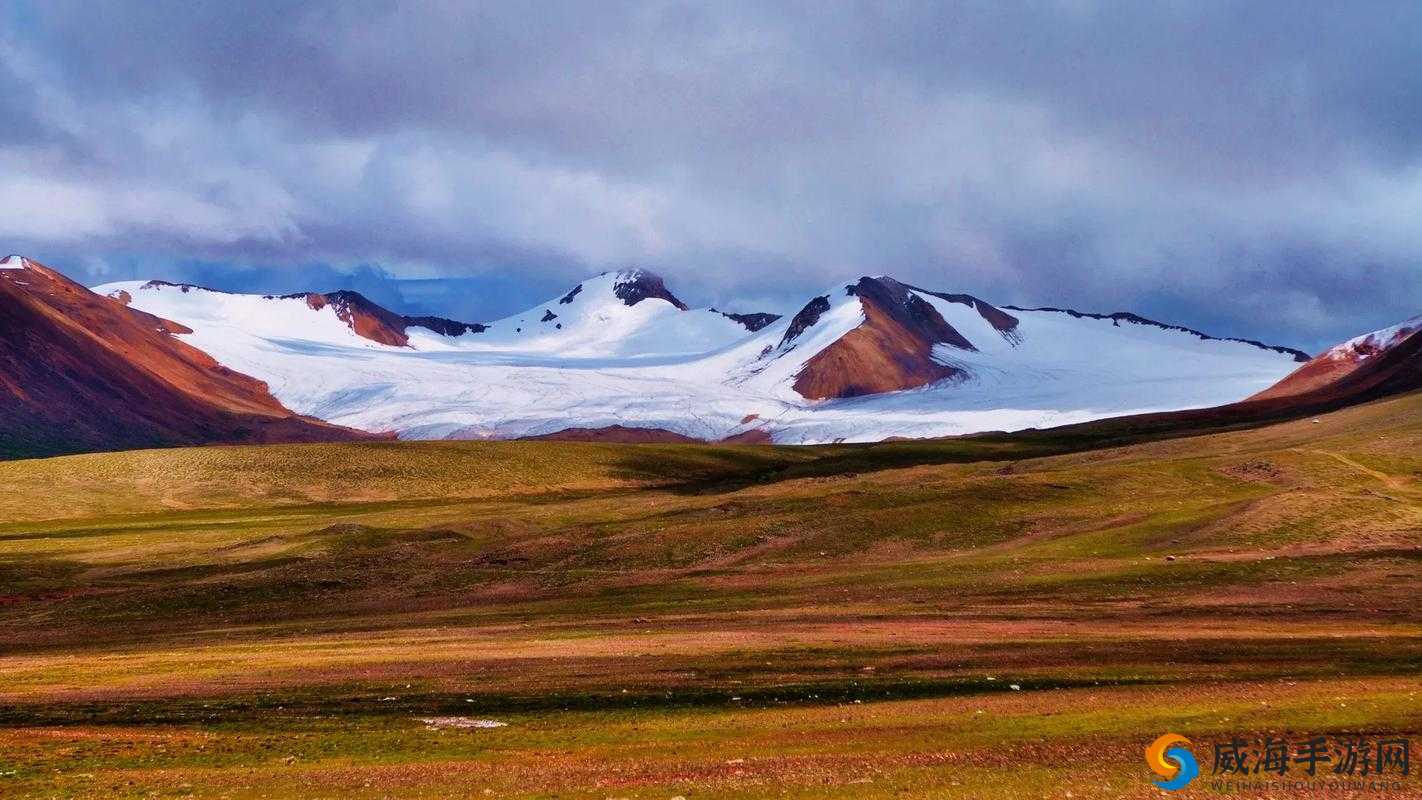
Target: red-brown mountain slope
<point>379,324</point>
<point>891,350</point>
<point>79,372</point>
<point>1337,363</point>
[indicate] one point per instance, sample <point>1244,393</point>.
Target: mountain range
<point>616,357</point>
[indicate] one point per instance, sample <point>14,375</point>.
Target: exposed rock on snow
<point>635,285</point>
<point>804,319</point>
<point>444,327</point>
<point>752,322</point>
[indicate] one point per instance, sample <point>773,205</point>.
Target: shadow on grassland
<point>726,468</point>
<point>702,469</point>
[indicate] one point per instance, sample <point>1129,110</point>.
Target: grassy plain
<point>1001,616</point>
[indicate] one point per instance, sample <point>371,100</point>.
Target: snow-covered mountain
<point>859,362</point>
<point>625,314</point>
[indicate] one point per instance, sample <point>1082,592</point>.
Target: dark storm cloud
<point>1254,167</point>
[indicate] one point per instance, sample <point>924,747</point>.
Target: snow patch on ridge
<point>1363,347</point>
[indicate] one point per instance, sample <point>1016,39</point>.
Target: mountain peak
<point>14,261</point>
<point>891,349</point>
<point>632,286</point>
<point>1372,344</point>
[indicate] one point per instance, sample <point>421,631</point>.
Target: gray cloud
<point>1255,168</point>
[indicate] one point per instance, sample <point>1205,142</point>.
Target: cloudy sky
<point>1250,168</point>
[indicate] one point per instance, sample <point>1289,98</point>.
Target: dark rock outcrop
<point>804,319</point>
<point>445,327</point>
<point>751,322</point>
<point>634,286</point>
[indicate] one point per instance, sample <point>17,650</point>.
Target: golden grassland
<point>998,616</point>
